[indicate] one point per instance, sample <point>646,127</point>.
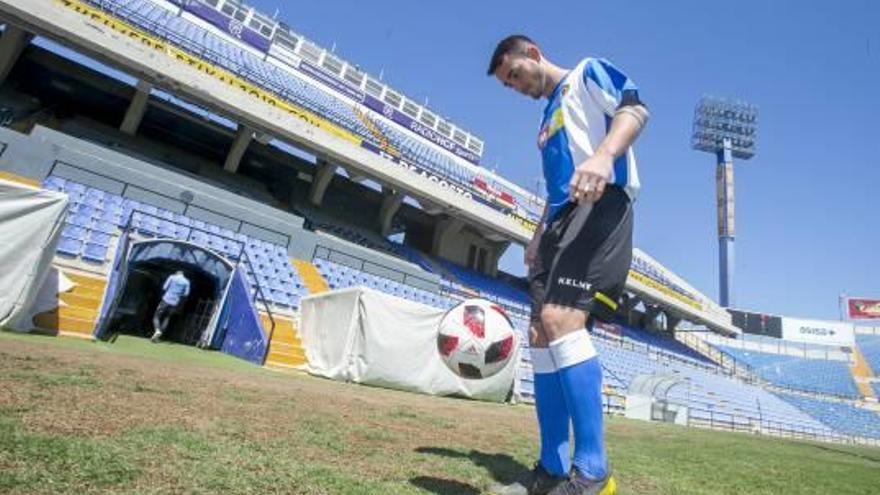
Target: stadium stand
<point>340,276</point>
<point>214,48</point>
<point>661,342</point>
<point>811,375</point>
<point>842,417</point>
<point>712,397</point>
<point>486,286</point>
<point>96,216</point>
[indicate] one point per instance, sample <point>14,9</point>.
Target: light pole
<point>728,129</point>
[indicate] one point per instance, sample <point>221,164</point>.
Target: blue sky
<point>807,205</point>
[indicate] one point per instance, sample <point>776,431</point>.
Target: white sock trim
<point>573,348</point>
<point>542,360</point>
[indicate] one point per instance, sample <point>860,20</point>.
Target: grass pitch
<point>131,417</point>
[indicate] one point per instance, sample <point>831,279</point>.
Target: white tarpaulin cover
<point>364,336</point>
<point>30,226</point>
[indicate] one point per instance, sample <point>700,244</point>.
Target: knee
<point>551,318</point>
<point>559,320</point>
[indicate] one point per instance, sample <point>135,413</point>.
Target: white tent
<point>31,220</point>
<point>364,336</point>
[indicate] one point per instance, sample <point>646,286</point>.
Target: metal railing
<point>362,264</point>
<point>720,420</point>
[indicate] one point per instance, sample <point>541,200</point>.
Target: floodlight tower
<point>728,129</point>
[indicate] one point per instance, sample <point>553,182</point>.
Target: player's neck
<point>552,74</point>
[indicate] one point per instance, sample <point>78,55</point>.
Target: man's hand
<point>590,177</point>
<point>531,252</point>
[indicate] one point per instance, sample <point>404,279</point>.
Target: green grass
<point>133,346</point>
<point>81,417</point>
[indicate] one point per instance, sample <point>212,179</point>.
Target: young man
<point>580,254</point>
<point>175,289</point>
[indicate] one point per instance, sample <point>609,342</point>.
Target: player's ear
<point>534,53</point>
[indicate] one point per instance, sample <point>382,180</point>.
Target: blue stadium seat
<point>74,232</point>
<point>105,227</point>
<point>167,229</point>
<point>54,183</point>
<point>84,221</point>
<point>842,417</point>
<point>70,247</point>
<point>823,376</point>
<point>95,252</point>
<point>99,238</point>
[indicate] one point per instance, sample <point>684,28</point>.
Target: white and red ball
<point>476,339</point>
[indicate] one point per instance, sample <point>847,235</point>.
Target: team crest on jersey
<point>551,126</point>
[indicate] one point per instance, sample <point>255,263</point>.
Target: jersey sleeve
<point>609,86</point>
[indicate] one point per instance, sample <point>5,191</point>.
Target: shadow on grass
<point>443,486</point>
<point>834,450</point>
<point>503,468</point>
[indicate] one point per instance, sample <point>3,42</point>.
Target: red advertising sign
<point>859,308</point>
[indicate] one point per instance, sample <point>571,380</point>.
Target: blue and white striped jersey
<point>576,120</point>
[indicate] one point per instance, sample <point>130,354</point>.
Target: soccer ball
<point>476,339</point>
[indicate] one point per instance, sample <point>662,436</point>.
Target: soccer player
<point>580,254</point>
<point>175,289</point>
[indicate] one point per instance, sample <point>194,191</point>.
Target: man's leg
<point>160,320</point>
<point>580,379</point>
<point>587,276</point>
<point>550,406</point>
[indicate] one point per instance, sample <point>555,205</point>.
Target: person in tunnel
<point>174,292</point>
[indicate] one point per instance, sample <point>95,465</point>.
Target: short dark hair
<point>513,44</point>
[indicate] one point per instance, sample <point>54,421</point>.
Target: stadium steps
<point>311,277</point>
<point>78,308</point>
<point>862,374</point>
<point>25,181</point>
<point>285,349</point>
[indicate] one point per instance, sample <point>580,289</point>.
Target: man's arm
<point>532,248</point>
<point>618,96</point>
<point>590,177</point>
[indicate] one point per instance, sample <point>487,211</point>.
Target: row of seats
<point>339,276</point>
<point>96,217</point>
<point>663,342</point>
<point>177,29</point>
<point>813,375</point>
<point>842,417</point>
<point>487,285</point>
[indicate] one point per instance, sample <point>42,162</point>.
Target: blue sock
<point>580,376</point>
<point>553,418</point>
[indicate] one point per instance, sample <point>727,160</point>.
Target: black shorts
<point>584,256</point>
